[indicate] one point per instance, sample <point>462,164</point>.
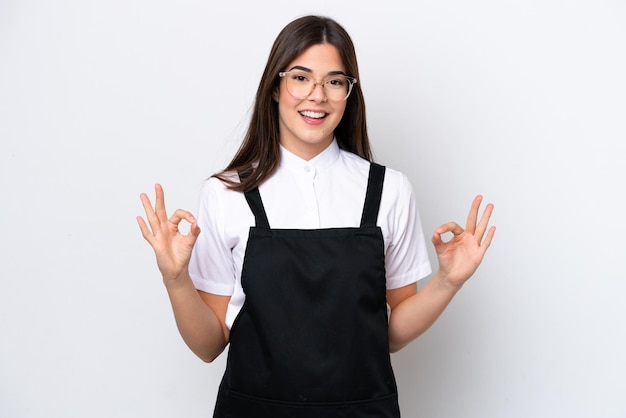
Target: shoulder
<point>215,186</point>
<point>353,163</point>
<point>396,184</point>
<point>215,194</point>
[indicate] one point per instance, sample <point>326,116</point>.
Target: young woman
<point>309,253</point>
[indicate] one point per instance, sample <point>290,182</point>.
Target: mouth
<point>313,115</point>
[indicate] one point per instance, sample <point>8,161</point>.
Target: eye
<point>336,82</point>
<point>300,78</point>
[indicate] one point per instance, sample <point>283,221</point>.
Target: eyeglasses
<point>301,84</point>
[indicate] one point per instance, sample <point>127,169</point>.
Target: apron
<point>311,339</point>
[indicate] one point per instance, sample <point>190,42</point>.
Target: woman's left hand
<point>462,254</point>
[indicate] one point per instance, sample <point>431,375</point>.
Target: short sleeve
<point>406,257</point>
<point>211,266</point>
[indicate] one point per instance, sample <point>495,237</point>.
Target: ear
<point>276,94</point>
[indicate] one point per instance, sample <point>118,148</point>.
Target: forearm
<point>198,324</point>
<point>414,315</point>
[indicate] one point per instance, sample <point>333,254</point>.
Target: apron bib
<point>311,339</point>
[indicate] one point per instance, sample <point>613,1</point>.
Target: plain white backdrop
<point>523,102</point>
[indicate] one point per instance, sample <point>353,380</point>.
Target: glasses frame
<point>351,82</point>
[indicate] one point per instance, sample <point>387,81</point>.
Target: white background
<point>524,102</point>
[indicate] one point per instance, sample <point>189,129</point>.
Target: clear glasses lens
<point>301,85</point>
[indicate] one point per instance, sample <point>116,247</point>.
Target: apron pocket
<point>241,405</point>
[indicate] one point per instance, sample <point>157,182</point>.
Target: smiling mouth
<point>313,115</point>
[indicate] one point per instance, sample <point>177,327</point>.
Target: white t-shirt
<point>327,191</point>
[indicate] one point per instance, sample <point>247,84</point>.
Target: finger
<point>472,218</point>
<point>452,227</point>
<point>145,231</point>
<point>147,204</point>
<point>192,236</point>
<point>147,207</point>
<point>180,215</point>
<point>484,222</point>
<point>160,202</point>
<point>195,230</point>
<point>150,213</point>
<point>487,242</point>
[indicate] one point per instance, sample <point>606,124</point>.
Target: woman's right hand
<point>172,249</point>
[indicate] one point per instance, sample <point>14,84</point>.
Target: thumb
<point>194,230</point>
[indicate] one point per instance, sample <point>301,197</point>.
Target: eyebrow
<point>308,70</point>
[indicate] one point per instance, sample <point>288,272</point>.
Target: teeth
<point>315,115</point>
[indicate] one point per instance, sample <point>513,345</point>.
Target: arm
<point>413,312</point>
<point>199,316</point>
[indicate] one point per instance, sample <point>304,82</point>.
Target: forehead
<point>319,58</point>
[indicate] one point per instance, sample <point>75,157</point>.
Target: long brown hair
<point>259,154</point>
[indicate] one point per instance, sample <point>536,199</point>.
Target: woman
<point>310,253</point>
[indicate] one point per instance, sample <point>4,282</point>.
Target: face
<point>307,125</point>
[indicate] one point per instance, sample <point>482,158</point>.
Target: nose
<point>318,94</point>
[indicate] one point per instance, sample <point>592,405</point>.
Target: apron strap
<point>253,197</point>
<point>373,195</point>
<point>256,205</point>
